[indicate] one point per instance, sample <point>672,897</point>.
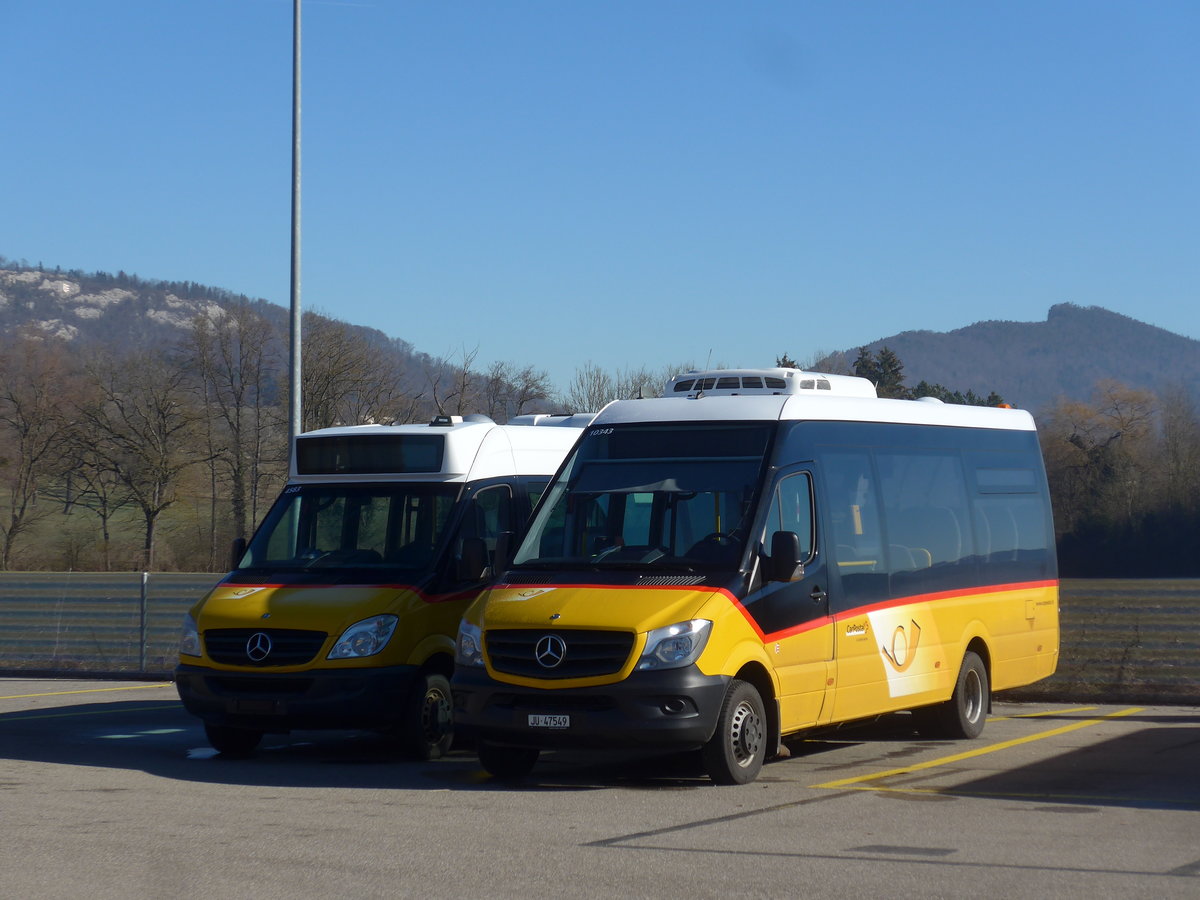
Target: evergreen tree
<point>891,376</point>
<point>866,366</point>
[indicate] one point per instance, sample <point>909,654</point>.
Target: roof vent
<point>759,382</point>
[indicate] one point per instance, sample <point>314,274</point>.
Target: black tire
<point>230,741</point>
<point>507,762</point>
<point>965,713</point>
<point>428,727</point>
<point>737,750</point>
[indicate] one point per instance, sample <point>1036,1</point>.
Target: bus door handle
<point>818,595</point>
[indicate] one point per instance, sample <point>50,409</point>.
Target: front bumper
<point>677,708</point>
<point>317,699</point>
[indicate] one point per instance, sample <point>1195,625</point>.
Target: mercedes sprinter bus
<point>761,553</point>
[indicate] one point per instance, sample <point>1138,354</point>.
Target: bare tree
<point>1180,468</point>
<point>455,387</point>
<point>590,389</point>
<point>509,391</point>
<point>141,424</point>
<point>233,352</point>
<point>593,388</point>
<point>1097,455</point>
<point>34,375</point>
<point>92,485</point>
<point>347,380</point>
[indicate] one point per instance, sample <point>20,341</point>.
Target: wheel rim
<point>972,696</point>
<point>745,734</point>
<point>435,715</point>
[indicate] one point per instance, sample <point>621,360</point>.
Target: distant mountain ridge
<point>1033,364</point>
<point>1030,364</point>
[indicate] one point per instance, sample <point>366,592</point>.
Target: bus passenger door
<point>792,608</point>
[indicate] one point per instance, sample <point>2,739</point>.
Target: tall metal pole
<point>294,382</point>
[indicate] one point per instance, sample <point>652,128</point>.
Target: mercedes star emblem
<point>258,647</point>
<point>550,651</point>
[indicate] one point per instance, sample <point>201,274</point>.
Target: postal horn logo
<point>904,647</point>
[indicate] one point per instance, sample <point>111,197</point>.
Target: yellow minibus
<point>341,611</point>
<point>757,554</point>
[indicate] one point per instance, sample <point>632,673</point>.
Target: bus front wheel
<point>232,742</point>
<point>736,751</point>
<point>429,731</point>
<point>507,762</point>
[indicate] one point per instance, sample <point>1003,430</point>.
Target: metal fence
<point>95,623</point>
<point>1126,641</point>
<point>1132,641</point>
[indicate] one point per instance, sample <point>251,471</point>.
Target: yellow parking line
<point>969,754</point>
<point>135,687</point>
<point>75,714</point>
<point>1044,712</point>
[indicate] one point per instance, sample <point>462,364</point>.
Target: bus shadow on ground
<point>160,738</point>
<point>1150,768</point>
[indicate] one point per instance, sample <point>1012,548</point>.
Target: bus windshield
<point>353,526</point>
<point>666,495</point>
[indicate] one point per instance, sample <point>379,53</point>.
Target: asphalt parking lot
<point>109,790</point>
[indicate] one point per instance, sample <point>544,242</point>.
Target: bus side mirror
<point>472,565</point>
<point>785,562</point>
<point>236,551</point>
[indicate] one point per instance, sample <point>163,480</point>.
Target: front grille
<point>587,654</point>
<point>288,646</point>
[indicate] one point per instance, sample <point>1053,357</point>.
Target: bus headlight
<point>365,638</point>
<point>675,646</point>
<point>469,646</point>
<point>189,641</point>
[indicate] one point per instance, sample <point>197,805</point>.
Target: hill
<point>1032,364</point>
<point>97,310</point>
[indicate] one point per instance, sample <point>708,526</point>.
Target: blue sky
<point>622,183</point>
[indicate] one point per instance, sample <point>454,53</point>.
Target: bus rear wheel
<point>964,714</point>
<point>736,751</point>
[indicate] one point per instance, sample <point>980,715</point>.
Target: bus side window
<point>930,530</point>
<point>1010,519</point>
<point>488,514</point>
<point>791,510</point>
<point>854,525</point>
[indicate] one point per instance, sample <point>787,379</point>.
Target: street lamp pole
<point>294,380</point>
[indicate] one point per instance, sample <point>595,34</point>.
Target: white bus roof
<point>448,449</point>
<point>844,400</point>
